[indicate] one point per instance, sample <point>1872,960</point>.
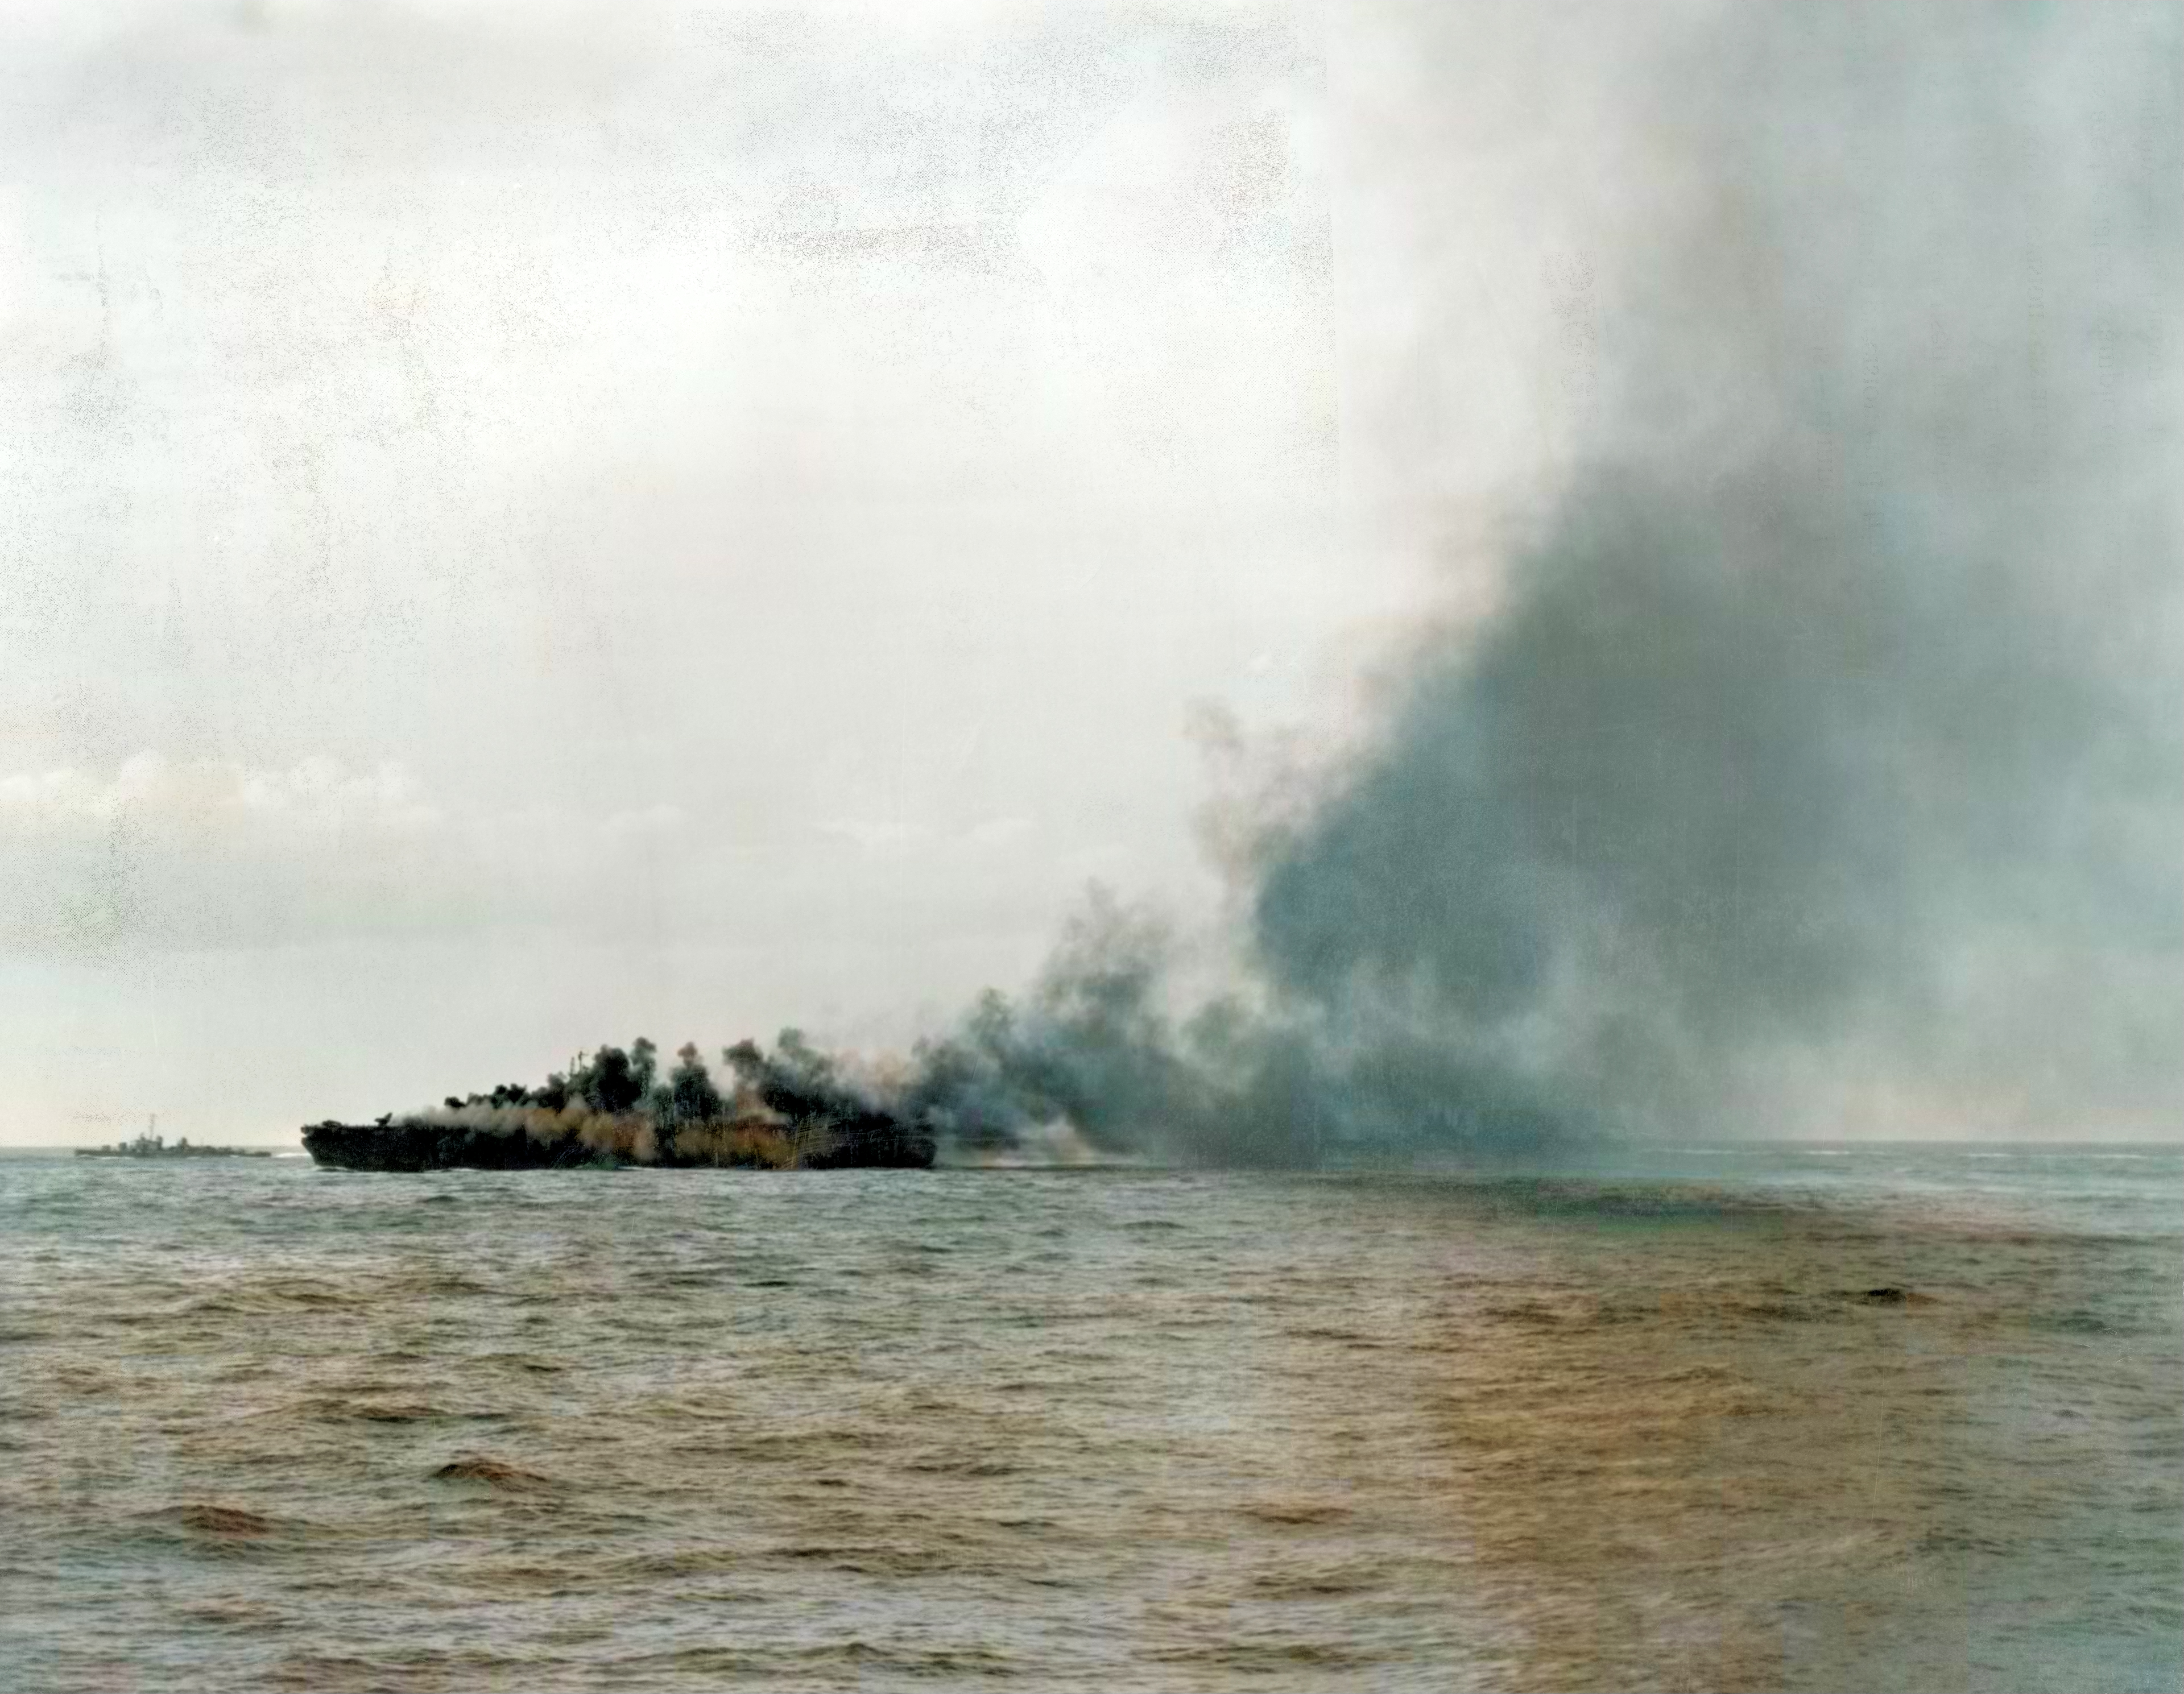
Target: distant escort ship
<point>153,1145</point>
<point>789,1110</point>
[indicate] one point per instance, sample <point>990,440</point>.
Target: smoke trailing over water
<point>1821,757</point>
<point>1819,766</point>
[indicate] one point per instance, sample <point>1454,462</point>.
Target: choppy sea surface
<point>263,1426</point>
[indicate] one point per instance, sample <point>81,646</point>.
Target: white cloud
<point>213,800</point>
<point>161,852</point>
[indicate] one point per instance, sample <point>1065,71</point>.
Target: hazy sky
<point>523,525</point>
<point>526,525</point>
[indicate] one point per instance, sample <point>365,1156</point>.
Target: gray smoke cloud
<point>1819,766</point>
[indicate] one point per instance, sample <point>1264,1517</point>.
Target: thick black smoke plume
<point>1821,766</point>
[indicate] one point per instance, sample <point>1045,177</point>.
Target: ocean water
<point>267,1427</point>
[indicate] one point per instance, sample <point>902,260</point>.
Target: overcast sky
<point>523,524</point>
<point>529,525</point>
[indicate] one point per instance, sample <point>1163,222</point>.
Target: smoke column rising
<point>1819,766</point>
